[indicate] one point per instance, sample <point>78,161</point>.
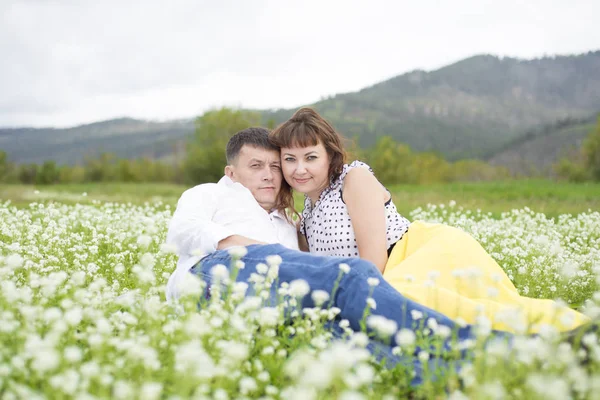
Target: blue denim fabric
<point>321,273</point>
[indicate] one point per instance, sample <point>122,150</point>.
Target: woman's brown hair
<point>308,128</point>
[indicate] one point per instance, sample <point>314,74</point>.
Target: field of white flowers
<point>83,315</point>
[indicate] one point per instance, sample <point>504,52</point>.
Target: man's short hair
<point>255,137</point>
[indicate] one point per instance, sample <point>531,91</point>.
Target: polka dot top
<point>327,225</point>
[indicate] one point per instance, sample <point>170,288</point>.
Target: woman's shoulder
<point>354,164</point>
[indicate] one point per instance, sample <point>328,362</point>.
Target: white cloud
<point>69,62</point>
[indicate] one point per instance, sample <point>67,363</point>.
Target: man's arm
<point>236,240</point>
<point>192,229</point>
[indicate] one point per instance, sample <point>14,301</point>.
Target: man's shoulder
<point>203,187</point>
<point>202,190</point>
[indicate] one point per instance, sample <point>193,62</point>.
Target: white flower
<point>147,260</point>
<point>123,390</point>
<point>299,288</point>
<point>267,351</point>
<point>247,385</point>
<point>443,331</point>
<point>45,360</point>
<point>373,282</point>
<point>319,297</point>
<point>406,337</point>
<point>237,251</point>
<point>14,261</point>
<point>262,268</point>
<point>371,303</point>
<point>493,390</point>
<point>483,326</point>
<point>416,315</point>
<point>432,324</point>
<point>190,285</point>
<point>359,339</point>
<point>197,252</point>
<point>220,394</point>
<point>383,326</point>
<point>269,316</point>
<point>457,395</point>
<point>74,316</point>
<point>318,375</point>
<point>423,356</point>
<point>271,390</point>
<point>235,351</point>
<point>119,268</point>
<point>274,260</point>
<point>144,240</point>
<point>151,390</point>
<point>168,248</point>
<point>345,268</point>
<point>219,272</point>
<point>263,376</point>
<point>349,395</point>
<point>73,354</point>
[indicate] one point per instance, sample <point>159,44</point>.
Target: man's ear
<point>229,171</point>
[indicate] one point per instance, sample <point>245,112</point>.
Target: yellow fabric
<point>447,270</point>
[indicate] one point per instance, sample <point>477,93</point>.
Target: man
<point>239,210</point>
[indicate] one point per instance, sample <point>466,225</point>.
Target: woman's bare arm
<point>365,199</point>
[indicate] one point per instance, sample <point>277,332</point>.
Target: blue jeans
<point>321,273</point>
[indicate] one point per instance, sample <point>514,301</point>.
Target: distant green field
<point>551,198</point>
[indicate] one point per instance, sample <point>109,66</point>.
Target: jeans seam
<point>258,259</point>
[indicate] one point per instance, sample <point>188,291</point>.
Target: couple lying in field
<point>349,218</point>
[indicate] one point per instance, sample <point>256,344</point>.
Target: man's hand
<point>236,240</point>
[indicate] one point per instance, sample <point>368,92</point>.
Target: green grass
<point>136,193</point>
<point>551,198</point>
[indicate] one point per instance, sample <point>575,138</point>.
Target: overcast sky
<point>78,61</point>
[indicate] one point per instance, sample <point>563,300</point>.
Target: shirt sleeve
<point>192,229</point>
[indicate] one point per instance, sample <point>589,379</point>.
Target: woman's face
<point>306,169</point>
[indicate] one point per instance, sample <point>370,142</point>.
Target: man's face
<point>259,170</point>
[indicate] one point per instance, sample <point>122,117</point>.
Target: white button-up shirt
<point>211,212</point>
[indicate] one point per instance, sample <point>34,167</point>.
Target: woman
<point>348,213</point>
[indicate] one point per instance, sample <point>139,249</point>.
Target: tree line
<point>584,164</point>
<point>204,158</point>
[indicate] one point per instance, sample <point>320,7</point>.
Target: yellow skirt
<point>447,270</point>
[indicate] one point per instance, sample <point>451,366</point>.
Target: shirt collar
<point>226,181</point>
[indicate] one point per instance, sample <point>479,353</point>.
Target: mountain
<point>471,108</point>
<point>538,150</point>
<point>125,137</point>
